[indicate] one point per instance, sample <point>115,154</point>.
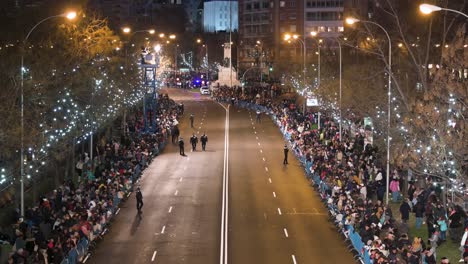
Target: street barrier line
<point>223,241</point>
<point>227,192</point>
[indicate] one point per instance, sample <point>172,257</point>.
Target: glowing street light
<point>313,33</point>
<point>428,9</point>
<point>151,31</point>
<point>172,36</point>
<point>71,15</point>
<point>126,30</point>
<point>162,35</point>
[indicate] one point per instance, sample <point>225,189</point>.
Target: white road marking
<point>261,151</point>
<point>294,259</point>
<point>180,179</point>
<point>266,169</point>
<point>269,179</point>
<point>255,132</point>
<point>118,211</point>
<point>253,127</point>
<point>279,211</point>
<point>264,159</point>
<point>258,143</point>
<point>163,229</point>
<point>170,209</point>
<point>274,194</point>
<point>256,138</point>
<point>154,256</point>
<point>285,232</point>
<point>223,256</point>
<point>176,192</point>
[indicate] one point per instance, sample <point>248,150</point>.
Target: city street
<point>273,216</point>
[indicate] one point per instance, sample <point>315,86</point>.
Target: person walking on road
<point>194,141</point>
<point>203,140</point>
<point>139,199</point>
<point>286,151</point>
<point>259,115</point>
<point>192,117</point>
<point>181,147</point>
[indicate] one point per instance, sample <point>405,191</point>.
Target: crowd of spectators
<point>67,221</point>
<point>352,182</point>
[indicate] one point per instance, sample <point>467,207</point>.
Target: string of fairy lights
<point>68,120</point>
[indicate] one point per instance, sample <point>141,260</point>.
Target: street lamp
<point>314,34</point>
<point>199,41</point>
<point>172,36</point>
<point>70,16</point>
<point>339,45</point>
<point>259,43</point>
<point>287,37</point>
<point>428,9</point>
<point>350,21</point>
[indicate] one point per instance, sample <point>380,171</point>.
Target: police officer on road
<point>259,114</point>
<point>192,117</point>
<point>139,199</point>
<point>194,141</point>
<point>203,140</point>
<point>286,150</point>
<point>181,146</point>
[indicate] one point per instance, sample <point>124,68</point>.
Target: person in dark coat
<point>181,147</point>
<point>139,199</point>
<point>192,117</point>
<point>203,140</point>
<point>194,141</point>
<point>405,210</point>
<point>286,151</point>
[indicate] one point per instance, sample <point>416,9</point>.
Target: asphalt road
<point>273,216</point>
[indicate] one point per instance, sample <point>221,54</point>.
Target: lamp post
<point>341,63</point>
<point>351,21</point>
<point>428,9</point>
<point>70,16</point>
<point>296,37</point>
<point>205,45</point>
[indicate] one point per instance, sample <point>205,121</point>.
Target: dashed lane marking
<point>163,229</point>
<point>269,179</point>
<point>176,192</point>
<point>154,256</point>
<point>274,194</point>
<point>266,169</point>
<point>279,211</point>
<point>170,209</point>
<point>180,179</point>
<point>285,232</point>
<point>294,259</point>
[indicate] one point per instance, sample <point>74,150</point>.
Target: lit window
<point>340,29</point>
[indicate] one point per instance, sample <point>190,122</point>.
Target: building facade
<point>263,24</point>
<point>220,15</point>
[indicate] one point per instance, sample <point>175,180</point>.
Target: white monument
<point>225,72</point>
